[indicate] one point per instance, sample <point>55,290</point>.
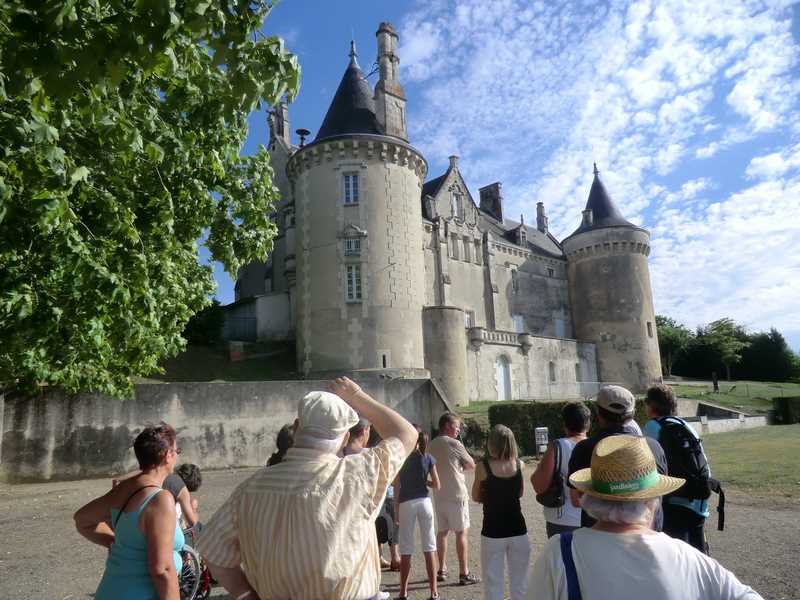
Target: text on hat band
<point>623,487</point>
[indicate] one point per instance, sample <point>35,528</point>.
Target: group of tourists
<point>304,527</point>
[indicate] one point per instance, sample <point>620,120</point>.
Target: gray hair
<point>625,512</point>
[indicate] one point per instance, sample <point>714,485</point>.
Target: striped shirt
<point>305,528</point>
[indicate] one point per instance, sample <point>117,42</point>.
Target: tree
<point>121,125</point>
<point>205,327</point>
<point>767,358</point>
<point>729,339</point>
<point>673,339</point>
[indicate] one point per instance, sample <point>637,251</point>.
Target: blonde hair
<point>501,444</point>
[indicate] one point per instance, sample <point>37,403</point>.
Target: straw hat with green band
<point>623,468</point>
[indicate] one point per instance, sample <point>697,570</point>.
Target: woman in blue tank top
<point>137,522</point>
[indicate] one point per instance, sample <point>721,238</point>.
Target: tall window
<point>519,323</point>
<point>352,246</point>
<point>469,318</point>
<point>514,281</point>
<point>551,367</point>
<point>353,274</point>
<point>649,329</point>
<point>350,181</point>
<point>454,246</point>
<point>477,252</point>
<point>467,244</point>
<point>455,206</point>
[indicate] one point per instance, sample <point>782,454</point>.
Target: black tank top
<point>502,513</point>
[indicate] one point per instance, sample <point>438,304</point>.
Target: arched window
<point>503,375</point>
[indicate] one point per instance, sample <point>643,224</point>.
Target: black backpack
<point>553,496</point>
<point>685,458</point>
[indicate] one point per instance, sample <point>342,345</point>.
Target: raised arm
<point>387,422</point>
<point>542,477</point>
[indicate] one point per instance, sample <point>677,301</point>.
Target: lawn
<point>761,461</point>
<point>753,397</point>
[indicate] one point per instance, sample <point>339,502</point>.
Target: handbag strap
<point>119,514</point>
<point>573,587</point>
<point>557,450</point>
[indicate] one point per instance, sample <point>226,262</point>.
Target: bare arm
<point>396,500</point>
<point>575,497</point>
<point>543,475</point>
<point>387,422</point>
<point>93,521</point>
<point>188,506</point>
<point>433,479</point>
<point>158,526</point>
<point>233,580</point>
<point>480,476</point>
<point>467,464</point>
<point>522,479</point>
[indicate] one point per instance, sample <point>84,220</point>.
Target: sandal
<point>441,575</point>
<point>468,579</point>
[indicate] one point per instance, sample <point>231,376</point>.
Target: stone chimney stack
<point>279,125</point>
<point>492,200</point>
<point>541,218</point>
<point>390,99</point>
<point>453,161</point>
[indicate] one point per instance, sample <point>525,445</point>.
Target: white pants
<point>419,509</point>
<point>494,551</point>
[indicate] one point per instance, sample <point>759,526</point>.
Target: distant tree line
<point>727,348</point>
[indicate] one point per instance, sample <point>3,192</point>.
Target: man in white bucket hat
<point>305,528</point>
<point>621,556</point>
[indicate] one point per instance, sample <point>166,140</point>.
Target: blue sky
<point>690,109</point>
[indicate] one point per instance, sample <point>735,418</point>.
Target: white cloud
<point>531,93</point>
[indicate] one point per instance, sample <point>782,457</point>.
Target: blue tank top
<point>126,576</point>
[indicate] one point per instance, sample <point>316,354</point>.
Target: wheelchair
<point>194,580</point>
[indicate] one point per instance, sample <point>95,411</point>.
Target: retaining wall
<point>219,425</point>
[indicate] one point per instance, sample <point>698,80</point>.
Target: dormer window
<point>352,246</point>
<point>455,205</point>
<point>350,188</point>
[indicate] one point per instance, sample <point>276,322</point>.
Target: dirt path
<point>42,557</point>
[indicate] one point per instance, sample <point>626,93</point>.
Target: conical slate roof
<point>353,107</point>
<point>604,212</point>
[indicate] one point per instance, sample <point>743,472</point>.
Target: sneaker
<point>441,575</point>
<point>468,579</point>
<point>384,595</point>
<point>436,597</point>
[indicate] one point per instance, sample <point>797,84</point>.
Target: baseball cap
<point>616,399</point>
<point>324,415</point>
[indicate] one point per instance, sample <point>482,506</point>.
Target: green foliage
<point>524,417</point>
<point>121,125</point>
<point>205,327</point>
<point>729,339</point>
<point>787,410</point>
<point>673,339</point>
<point>768,358</point>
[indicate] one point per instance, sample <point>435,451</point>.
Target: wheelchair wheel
<point>191,574</point>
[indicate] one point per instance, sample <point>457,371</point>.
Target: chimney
<point>587,218</point>
<point>492,200</point>
<point>390,99</point>
<point>541,218</point>
<point>278,120</point>
<point>453,161</point>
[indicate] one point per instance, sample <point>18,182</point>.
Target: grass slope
<point>753,397</point>
<point>761,461</point>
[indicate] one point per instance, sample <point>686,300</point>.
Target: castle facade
<point>379,266</point>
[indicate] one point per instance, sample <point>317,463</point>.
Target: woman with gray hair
<point>621,556</point>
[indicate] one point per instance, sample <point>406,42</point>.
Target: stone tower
<point>610,294</point>
<point>359,270</point>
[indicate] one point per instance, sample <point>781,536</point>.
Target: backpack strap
<point>573,587</point>
<point>119,514</point>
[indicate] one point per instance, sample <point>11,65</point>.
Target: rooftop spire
<point>596,172</point>
<point>353,54</point>
<point>602,212</point>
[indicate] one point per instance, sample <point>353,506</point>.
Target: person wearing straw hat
<point>305,528</point>
<point>621,556</point>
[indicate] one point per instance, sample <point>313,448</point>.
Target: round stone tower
<point>360,269</point>
<point>610,294</point>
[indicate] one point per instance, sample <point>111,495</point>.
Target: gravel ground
<point>42,556</point>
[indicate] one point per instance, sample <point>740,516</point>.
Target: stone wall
<point>219,425</point>
<point>574,365</point>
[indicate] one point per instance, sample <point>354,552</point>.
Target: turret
<point>541,218</point>
<point>278,120</point>
<point>610,293</point>
<point>360,265</point>
<point>390,99</point>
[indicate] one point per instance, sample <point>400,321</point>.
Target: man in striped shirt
<point>304,528</point>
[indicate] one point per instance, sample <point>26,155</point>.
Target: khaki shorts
<point>452,515</point>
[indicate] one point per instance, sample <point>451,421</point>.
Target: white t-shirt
<point>652,566</point>
<point>567,514</point>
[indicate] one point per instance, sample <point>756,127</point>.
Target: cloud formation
<point>690,110</point>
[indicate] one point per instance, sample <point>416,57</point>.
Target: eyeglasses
<point>177,450</point>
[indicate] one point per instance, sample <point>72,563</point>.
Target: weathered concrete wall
<point>385,325</point>
<point>703,426</point>
<point>274,317</point>
<point>56,436</point>
<point>574,366</point>
<point>446,350</point>
<point>612,303</point>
